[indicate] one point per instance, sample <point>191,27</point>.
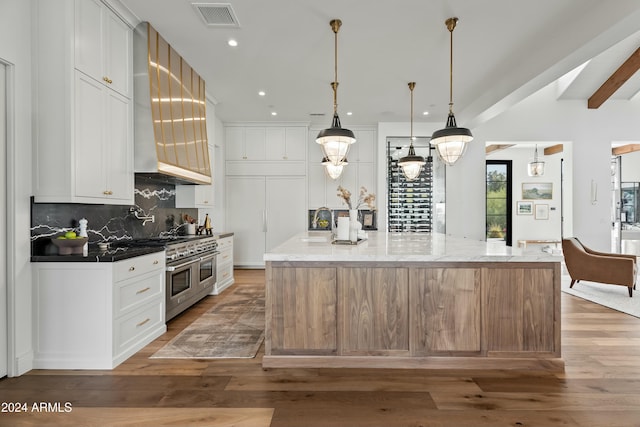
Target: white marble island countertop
<point>400,247</point>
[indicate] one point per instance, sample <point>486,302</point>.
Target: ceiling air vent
<point>216,14</point>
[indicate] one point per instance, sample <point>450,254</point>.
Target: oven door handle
<point>175,267</point>
<point>211,255</point>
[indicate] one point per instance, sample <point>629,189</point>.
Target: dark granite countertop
<point>115,252</point>
<point>97,255</point>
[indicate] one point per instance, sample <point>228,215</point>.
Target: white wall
<point>15,49</point>
<point>542,118</point>
<point>527,227</point>
<point>631,166</point>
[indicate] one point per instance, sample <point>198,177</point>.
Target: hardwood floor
<point>600,387</point>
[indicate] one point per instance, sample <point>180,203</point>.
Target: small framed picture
<point>524,208</point>
<point>368,220</point>
<point>541,211</point>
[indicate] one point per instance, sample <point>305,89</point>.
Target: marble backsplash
<point>111,223</point>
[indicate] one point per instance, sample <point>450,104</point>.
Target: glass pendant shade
<point>451,142</point>
<point>332,170</point>
<point>411,164</point>
<point>535,167</point>
<point>335,141</point>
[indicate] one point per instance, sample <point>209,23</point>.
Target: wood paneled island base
<point>344,310</point>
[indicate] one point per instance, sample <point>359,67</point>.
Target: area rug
<point>233,328</point>
<point>612,296</point>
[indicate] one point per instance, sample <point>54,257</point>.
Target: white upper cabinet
<point>270,143</point>
<point>286,143</point>
<point>103,46</point>
<point>83,151</point>
<point>364,148</point>
<point>245,143</point>
<point>102,155</point>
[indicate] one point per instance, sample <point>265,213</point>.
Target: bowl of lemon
<point>69,243</point>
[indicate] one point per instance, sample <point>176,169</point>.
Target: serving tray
<point>347,242</point>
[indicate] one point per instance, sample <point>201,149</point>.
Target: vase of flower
<point>365,198</point>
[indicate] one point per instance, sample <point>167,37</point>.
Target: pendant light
<point>335,140</point>
<point>411,164</point>
<point>451,142</point>
<point>334,171</point>
<point>535,167</point>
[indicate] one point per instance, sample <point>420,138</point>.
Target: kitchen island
<point>407,300</point>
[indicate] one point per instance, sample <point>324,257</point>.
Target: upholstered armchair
<point>586,264</point>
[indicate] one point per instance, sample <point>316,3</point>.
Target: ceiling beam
<point>497,147</point>
<point>617,79</point>
<point>554,149</point>
<point>625,149</point>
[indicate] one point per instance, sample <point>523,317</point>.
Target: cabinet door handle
<point>142,291</point>
<point>155,262</point>
<point>143,322</point>
<point>132,268</point>
<point>264,221</point>
<point>107,192</point>
<point>107,79</point>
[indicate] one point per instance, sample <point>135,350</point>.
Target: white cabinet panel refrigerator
<point>263,212</point>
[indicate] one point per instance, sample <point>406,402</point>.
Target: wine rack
<point>410,203</point>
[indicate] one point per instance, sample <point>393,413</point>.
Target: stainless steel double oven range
<point>191,269</point>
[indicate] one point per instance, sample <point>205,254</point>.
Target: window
<point>498,203</point>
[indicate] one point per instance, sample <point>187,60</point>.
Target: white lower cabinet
<point>263,212</point>
<point>224,264</point>
<point>91,315</point>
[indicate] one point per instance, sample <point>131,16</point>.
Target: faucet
<point>145,219</point>
<point>314,221</point>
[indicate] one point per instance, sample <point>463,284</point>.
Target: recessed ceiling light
<point>262,93</point>
<point>426,113</point>
<point>349,113</point>
<point>232,43</point>
<point>273,113</point>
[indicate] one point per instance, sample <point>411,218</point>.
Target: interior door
<point>3,221</point>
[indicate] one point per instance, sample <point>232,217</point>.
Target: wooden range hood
<point>170,130</point>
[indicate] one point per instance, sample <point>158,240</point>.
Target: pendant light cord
<point>411,86</point>
<point>335,26</point>
<point>451,25</point>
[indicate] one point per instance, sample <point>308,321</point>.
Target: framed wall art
<point>541,211</point>
<point>524,208</point>
<point>537,190</point>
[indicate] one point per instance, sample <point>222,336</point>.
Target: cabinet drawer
<point>225,256</point>
<point>130,329</point>
<point>225,243</point>
<point>133,293</point>
<point>224,272</point>
<point>137,266</point>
